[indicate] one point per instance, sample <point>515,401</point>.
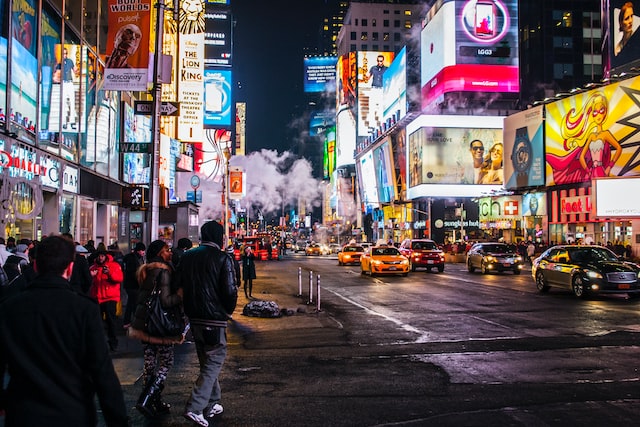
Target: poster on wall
<point>593,134</point>
<point>624,39</point>
<point>372,66</point>
<point>127,61</point>
<point>385,173</point>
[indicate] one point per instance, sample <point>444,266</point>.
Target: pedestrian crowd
<point>59,303</point>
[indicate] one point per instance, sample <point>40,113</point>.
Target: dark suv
<point>493,257</point>
<point>423,253</point>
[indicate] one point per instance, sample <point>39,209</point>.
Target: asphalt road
<point>450,349</point>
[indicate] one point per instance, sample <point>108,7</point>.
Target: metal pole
<point>310,286</point>
<point>318,292</point>
<point>299,282</point>
<point>154,182</point>
<point>227,156</point>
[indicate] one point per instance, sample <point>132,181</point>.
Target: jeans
<point>108,311</point>
<point>206,391</point>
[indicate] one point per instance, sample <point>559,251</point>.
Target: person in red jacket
<point>107,276</point>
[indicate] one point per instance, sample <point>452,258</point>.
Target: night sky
<point>269,37</point>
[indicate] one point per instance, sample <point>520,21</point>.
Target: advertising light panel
<point>346,75</point>
<point>448,160</point>
<point>372,66</point>
<point>217,37</point>
<point>482,56</point>
<point>624,38</point>
<point>329,152</point>
<point>593,134</point>
<point>367,177</point>
<point>524,148</point>
<point>217,98</point>
<point>346,137</point>
<point>610,201</point>
<point>394,90</point>
<point>385,173</point>
<point>320,73</point>
<point>320,121</point>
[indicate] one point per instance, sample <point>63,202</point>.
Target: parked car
<point>334,248</point>
<point>299,246</point>
<point>493,257</point>
<point>585,270</point>
<point>423,253</point>
<point>313,249</point>
<point>350,254</point>
<point>384,260</point>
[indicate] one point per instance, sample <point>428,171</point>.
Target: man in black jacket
<point>132,261</point>
<point>52,343</point>
<point>208,279</point>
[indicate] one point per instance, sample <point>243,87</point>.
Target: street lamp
<point>227,155</point>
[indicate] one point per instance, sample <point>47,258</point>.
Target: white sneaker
<point>216,409</point>
<point>196,418</point>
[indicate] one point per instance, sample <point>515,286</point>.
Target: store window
<point>67,214</point>
<point>86,221</point>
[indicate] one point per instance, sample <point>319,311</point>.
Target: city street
<point>450,349</point>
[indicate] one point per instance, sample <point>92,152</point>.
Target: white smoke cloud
<point>272,179</point>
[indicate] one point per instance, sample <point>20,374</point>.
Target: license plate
<point>392,268</point>
<point>506,264</point>
<point>624,286</point>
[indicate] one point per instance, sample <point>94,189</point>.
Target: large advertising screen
<point>320,73</point>
<point>346,74</point>
<point>394,91</point>
<point>329,160</point>
<point>217,98</point>
<point>593,134</point>
<point>524,148</point>
<point>372,66</point>
<point>624,39</point>
<point>482,56</point>
<point>385,173</point>
<point>345,137</point>
<point>461,155</point>
<point>217,37</point>
<point>367,179</point>
<point>609,204</point>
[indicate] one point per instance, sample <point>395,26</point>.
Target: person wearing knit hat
<point>158,350</point>
<point>207,277</point>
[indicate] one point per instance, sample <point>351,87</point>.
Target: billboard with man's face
<point>624,39</point>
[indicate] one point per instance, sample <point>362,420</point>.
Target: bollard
<point>317,292</point>
<point>310,286</point>
<point>299,282</point>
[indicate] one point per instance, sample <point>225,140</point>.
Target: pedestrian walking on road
<point>158,354</point>
<point>51,342</point>
<point>132,262</point>
<point>248,270</point>
<point>531,250</point>
<point>207,277</point>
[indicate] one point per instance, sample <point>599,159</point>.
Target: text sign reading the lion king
<point>593,135</point>
<point>127,58</point>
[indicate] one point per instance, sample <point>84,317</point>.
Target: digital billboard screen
<point>372,66</point>
<point>481,57</point>
<point>217,98</point>
<point>624,38</point>
<point>346,137</point>
<point>367,177</point>
<point>524,148</point>
<point>394,88</point>
<point>455,156</point>
<point>320,73</point>
<point>217,37</point>
<point>385,173</point>
<point>593,134</point>
<point>346,74</point>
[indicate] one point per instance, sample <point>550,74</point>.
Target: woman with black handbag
<point>155,279</point>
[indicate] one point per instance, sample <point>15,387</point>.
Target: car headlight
<point>377,262</point>
<point>519,258</point>
<point>638,274</point>
<point>490,258</point>
<point>593,274</point>
<point>405,261</point>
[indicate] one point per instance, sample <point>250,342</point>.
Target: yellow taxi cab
<point>313,249</point>
<point>350,254</point>
<point>383,259</point>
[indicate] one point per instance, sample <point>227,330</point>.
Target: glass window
<point>373,22</point>
<point>353,35</point>
<point>385,23</point>
<point>563,42</point>
<point>68,215</point>
<point>396,23</point>
<point>374,37</point>
<point>385,37</point>
<point>353,47</point>
<point>562,18</point>
<point>397,37</point>
<point>375,47</point>
<point>365,22</point>
<point>86,221</point>
<point>364,36</point>
<point>561,71</point>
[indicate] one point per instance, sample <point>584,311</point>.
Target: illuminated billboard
<point>608,202</point>
<point>624,39</point>
<point>217,98</point>
<point>217,37</point>
<point>524,148</point>
<point>385,173</point>
<point>394,88</point>
<point>454,156</point>
<point>345,137</point>
<point>469,46</point>
<point>320,73</point>
<point>329,157</point>
<point>346,74</point>
<point>372,66</point>
<point>593,134</point>
<point>320,121</point>
<point>367,180</point>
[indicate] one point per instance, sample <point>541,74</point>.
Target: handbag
<point>161,321</point>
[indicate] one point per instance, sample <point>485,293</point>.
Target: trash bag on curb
<point>262,309</point>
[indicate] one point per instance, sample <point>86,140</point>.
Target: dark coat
<point>248,266</point>
<point>80,276</point>
<point>148,275</point>
<point>52,341</point>
<point>131,261</point>
<point>208,280</point>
